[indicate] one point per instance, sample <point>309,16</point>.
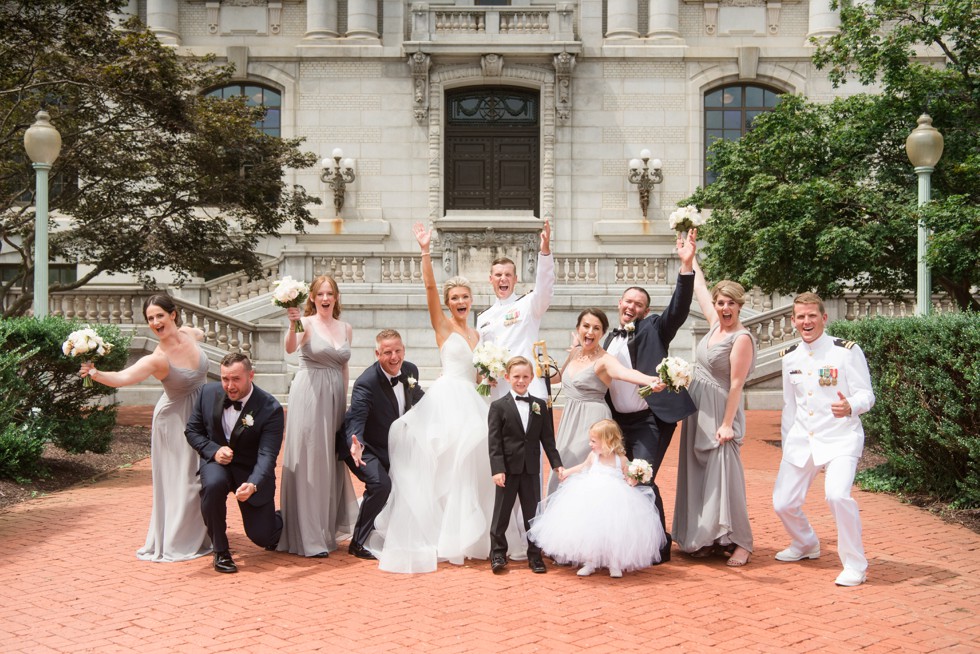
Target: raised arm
<point>436,317</point>
<point>544,278</point>
<point>703,295</point>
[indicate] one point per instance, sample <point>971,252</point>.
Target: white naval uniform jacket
<point>514,323</point>
<point>808,424</point>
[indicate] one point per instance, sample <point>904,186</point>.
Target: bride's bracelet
<point>425,254</point>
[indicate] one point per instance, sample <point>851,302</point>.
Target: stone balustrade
<point>545,23</point>
<point>235,287</point>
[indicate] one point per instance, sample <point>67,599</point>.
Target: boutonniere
<point>629,327</point>
<point>536,408</point>
<point>412,381</point>
<point>248,420</point>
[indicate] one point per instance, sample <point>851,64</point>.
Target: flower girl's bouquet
<point>685,218</point>
<point>87,345</point>
<point>290,293</point>
<point>640,470</point>
<point>675,372</point>
<point>490,360</point>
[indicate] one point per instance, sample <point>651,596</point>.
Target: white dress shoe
<point>585,570</point>
<point>851,578</point>
<point>793,554</point>
<point>615,572</point>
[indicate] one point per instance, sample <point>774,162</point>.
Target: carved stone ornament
<point>710,17</point>
<point>275,17</point>
<point>245,3</point>
<point>564,65</point>
<point>452,241</point>
<point>212,10</point>
<point>420,64</point>
<point>492,65</point>
<point>772,16</point>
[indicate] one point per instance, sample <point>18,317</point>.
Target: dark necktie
<point>235,403</point>
<point>524,398</point>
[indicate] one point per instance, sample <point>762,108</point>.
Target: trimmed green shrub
<point>926,419</point>
<point>22,436</point>
<point>53,385</point>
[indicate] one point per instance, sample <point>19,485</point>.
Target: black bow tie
<point>235,403</point>
<point>524,398</point>
<point>395,380</point>
<point>619,331</point>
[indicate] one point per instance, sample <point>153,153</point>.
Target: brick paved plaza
<point>70,582</point>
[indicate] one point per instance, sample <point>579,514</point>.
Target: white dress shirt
<point>399,390</point>
<point>229,417</point>
<point>523,408</point>
<point>624,395</point>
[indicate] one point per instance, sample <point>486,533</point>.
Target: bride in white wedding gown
<point>442,491</point>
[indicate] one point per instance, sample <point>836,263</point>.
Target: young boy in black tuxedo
<point>519,425</point>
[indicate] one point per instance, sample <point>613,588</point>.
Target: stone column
<point>362,19</point>
<point>824,21</point>
<point>621,19</point>
<point>664,21</point>
<point>161,19</point>
<point>321,19</point>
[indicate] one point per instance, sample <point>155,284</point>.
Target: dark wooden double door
<point>493,164</point>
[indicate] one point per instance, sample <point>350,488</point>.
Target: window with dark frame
<point>729,112</point>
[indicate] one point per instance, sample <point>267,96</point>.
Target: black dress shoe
<point>224,563</point>
<point>664,555</point>
<point>498,563</point>
<point>320,555</point>
<point>358,550</point>
<point>536,565</point>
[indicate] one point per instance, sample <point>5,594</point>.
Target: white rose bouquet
<point>490,360</point>
<point>676,373</point>
<point>685,218</point>
<point>289,293</point>
<point>640,470</point>
<point>87,345</point>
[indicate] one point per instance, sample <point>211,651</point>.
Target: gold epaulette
<point>847,345</point>
<point>787,350</point>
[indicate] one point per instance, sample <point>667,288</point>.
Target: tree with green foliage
<point>823,197</point>
<point>153,174</point>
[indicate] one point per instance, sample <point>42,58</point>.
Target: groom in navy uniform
<point>237,428</point>
<point>641,343</point>
<point>381,394</point>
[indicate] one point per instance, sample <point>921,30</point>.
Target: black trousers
<point>377,488</point>
<point>527,487</point>
<point>263,524</point>
<point>647,437</point>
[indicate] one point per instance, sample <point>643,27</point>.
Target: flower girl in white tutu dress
<point>598,517</point>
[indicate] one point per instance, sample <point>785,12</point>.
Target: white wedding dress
<point>442,493</point>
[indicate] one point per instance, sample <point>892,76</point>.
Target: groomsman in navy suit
<point>237,429</point>
<point>381,394</point>
<point>640,342</point>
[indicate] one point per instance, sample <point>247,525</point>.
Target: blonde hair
<point>810,298</point>
<point>729,289</point>
<point>518,361</point>
<point>310,306</point>
<point>609,434</point>
<point>454,282</point>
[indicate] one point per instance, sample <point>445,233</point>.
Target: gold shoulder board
<point>847,345</point>
<point>787,350</point>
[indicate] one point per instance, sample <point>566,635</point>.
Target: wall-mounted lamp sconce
<point>645,177</point>
<point>338,174</point>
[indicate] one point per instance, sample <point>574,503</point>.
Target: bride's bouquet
<point>490,360</point>
<point>87,345</point>
<point>675,372</point>
<point>685,218</point>
<point>290,293</point>
<point>640,470</point>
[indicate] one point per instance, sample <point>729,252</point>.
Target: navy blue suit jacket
<point>256,446</point>
<point>648,347</point>
<point>373,408</point>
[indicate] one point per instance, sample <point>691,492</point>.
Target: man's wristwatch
<point>255,489</point>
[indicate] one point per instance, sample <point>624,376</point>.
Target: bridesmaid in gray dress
<point>316,494</point>
<point>711,513</point>
<point>585,378</point>
<point>177,531</point>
